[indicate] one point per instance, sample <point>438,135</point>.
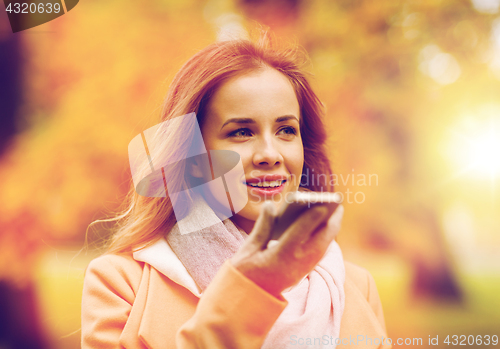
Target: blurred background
<point>412,91</point>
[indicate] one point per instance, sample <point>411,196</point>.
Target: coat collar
<point>161,257</point>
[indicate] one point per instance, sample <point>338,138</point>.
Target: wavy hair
<point>147,219</point>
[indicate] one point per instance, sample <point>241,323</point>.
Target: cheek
<point>246,156</point>
<point>295,160</point>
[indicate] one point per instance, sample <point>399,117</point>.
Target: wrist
<point>256,276</point>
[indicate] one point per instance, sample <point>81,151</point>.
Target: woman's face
<point>257,115</point>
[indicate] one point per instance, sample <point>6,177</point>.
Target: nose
<point>266,153</point>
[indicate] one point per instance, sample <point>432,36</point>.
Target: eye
<point>240,133</point>
<point>288,131</point>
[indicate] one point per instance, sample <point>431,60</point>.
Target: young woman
<point>221,284</point>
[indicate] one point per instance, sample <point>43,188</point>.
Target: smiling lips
<point>266,184</point>
<point>270,184</point>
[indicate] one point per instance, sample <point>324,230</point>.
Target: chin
<point>250,212</point>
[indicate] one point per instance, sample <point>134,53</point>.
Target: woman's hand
<point>299,249</point>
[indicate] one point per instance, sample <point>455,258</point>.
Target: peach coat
<point>129,304</point>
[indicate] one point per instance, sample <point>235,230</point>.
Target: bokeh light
<point>486,6</point>
<point>440,66</point>
<point>474,144</point>
<point>411,90</point>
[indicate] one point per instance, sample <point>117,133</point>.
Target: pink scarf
<point>315,305</point>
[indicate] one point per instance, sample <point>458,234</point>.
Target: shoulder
<point>110,290</point>
<point>117,261</point>
<point>115,271</point>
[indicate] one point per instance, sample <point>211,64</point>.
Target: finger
<point>261,232</point>
<point>335,220</point>
<point>302,227</point>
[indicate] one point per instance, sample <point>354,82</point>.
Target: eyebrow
<point>252,121</point>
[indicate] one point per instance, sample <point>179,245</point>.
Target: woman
<point>220,284</point>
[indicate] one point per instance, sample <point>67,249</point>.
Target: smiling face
<point>258,116</point>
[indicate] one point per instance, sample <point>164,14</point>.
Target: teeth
<point>267,184</point>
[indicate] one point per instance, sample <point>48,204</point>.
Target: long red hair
<point>148,219</point>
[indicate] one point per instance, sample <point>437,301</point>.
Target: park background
<point>412,92</point>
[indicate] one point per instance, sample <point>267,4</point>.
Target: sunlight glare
<point>474,146</point>
<point>484,153</point>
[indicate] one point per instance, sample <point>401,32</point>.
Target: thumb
<point>261,232</point>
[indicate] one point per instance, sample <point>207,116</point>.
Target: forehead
<point>262,95</point>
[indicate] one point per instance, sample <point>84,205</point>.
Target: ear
<point>194,168</point>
